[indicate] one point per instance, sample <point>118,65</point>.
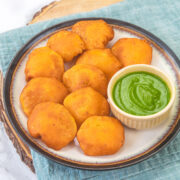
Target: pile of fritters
<point>60,105</point>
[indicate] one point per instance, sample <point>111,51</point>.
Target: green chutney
<point>141,93</point>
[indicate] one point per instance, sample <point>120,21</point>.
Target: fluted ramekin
<point>134,121</point>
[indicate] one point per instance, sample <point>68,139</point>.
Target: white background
<point>14,14</point>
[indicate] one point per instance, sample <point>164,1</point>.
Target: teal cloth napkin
<point>162,18</point>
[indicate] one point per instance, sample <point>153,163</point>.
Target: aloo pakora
<point>95,33</point>
<point>100,135</point>
<point>101,58</point>
<point>131,51</point>
<point>84,103</point>
<point>66,43</point>
<point>44,62</point>
<point>52,123</point>
<point>83,75</point>
<point>40,90</point>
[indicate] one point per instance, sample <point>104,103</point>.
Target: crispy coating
<point>132,51</point>
<point>66,43</point>
<point>101,58</point>
<point>95,33</point>
<point>44,62</point>
<point>100,135</point>
<point>52,123</point>
<point>40,90</point>
<point>84,103</point>
<point>84,75</point>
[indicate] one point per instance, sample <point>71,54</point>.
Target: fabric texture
<point>161,18</point>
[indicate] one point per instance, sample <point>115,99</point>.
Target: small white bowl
<point>140,122</point>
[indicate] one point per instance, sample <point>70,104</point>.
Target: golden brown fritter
<point>84,75</point>
<point>101,58</point>
<point>40,90</point>
<point>44,62</point>
<point>84,103</point>
<point>52,123</point>
<point>66,43</point>
<point>100,135</point>
<point>132,51</point>
<point>95,33</point>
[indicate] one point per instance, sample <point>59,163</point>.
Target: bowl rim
<point>139,68</point>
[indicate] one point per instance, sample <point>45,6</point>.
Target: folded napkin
<point>162,18</point>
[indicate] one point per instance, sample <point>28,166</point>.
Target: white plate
<point>139,144</point>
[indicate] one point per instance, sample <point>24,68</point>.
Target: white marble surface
<point>11,167</point>
<point>14,14</point>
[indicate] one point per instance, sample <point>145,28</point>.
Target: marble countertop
<point>17,13</point>
<point>11,166</point>
<point>14,14</point>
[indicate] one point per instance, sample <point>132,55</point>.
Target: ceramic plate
<point>139,144</point>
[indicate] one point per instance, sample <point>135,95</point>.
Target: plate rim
<point>40,35</point>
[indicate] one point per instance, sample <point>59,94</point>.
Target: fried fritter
<point>100,135</point>
<point>66,43</point>
<point>132,51</point>
<point>44,62</point>
<point>52,123</point>
<point>95,33</point>
<point>84,75</point>
<point>101,58</point>
<point>84,103</point>
<point>40,90</point>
